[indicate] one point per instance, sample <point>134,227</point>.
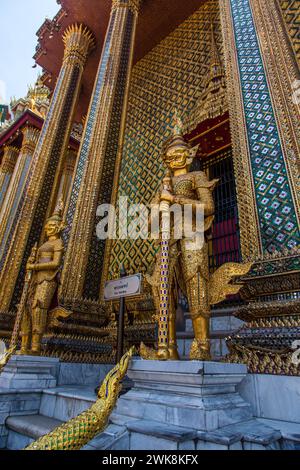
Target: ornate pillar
<point>44,172</point>
<point>266,190</point>
<point>282,73</point>
<point>12,198</point>
<point>65,183</point>
<point>100,154</point>
<point>6,170</point>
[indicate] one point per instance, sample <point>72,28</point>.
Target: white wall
<point>273,396</point>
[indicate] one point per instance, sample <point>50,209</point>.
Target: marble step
<point>144,434</point>
<point>255,435</point>
<point>152,435</point>
<point>23,430</point>
<point>290,432</point>
<point>115,437</point>
<point>65,403</point>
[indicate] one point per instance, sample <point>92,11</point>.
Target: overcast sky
<point>20,20</point>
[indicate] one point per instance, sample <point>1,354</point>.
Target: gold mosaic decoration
<point>291,15</point>
<point>170,76</point>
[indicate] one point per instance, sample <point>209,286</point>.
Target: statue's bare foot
<point>23,352</point>
<point>148,353</point>
<point>151,354</point>
<point>34,353</point>
<point>200,350</point>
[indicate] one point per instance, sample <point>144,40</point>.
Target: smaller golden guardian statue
<point>178,266</point>
<point>43,271</point>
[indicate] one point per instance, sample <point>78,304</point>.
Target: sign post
<point>121,321</point>
<point>119,289</point>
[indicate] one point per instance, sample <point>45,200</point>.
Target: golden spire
<point>212,101</point>
<point>38,92</point>
<point>38,97</point>
<point>216,69</point>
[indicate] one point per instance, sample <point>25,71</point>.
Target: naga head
<point>54,224</point>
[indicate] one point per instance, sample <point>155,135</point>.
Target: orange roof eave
<point>156,20</point>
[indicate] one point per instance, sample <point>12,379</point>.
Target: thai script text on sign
<point>124,287</point>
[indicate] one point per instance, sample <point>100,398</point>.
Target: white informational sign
<point>124,287</point>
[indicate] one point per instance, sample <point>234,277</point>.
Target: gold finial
<point>177,123</point>
<point>79,31</point>
<point>78,41</point>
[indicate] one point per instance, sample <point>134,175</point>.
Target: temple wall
<point>290,10</point>
<point>272,396</point>
<point>170,76</point>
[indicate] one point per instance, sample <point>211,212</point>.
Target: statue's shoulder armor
<point>201,180</point>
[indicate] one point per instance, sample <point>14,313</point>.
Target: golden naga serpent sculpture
<point>6,357</point>
<point>77,432</point>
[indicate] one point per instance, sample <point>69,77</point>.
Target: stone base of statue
<point>185,405</point>
<point>197,395</point>
<point>29,372</point>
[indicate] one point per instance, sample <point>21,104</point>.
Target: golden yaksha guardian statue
<point>186,268</point>
<point>43,284</point>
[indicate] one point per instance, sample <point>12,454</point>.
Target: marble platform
<point>29,372</point>
<point>185,405</point>
<point>197,395</point>
<point>181,405</point>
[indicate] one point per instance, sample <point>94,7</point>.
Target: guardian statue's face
<point>52,228</point>
<point>176,158</point>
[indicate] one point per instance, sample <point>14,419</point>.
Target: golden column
<point>6,170</point>
<point>13,194</point>
<point>98,167</point>
<point>38,196</point>
<point>261,70</point>
<point>65,183</point>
